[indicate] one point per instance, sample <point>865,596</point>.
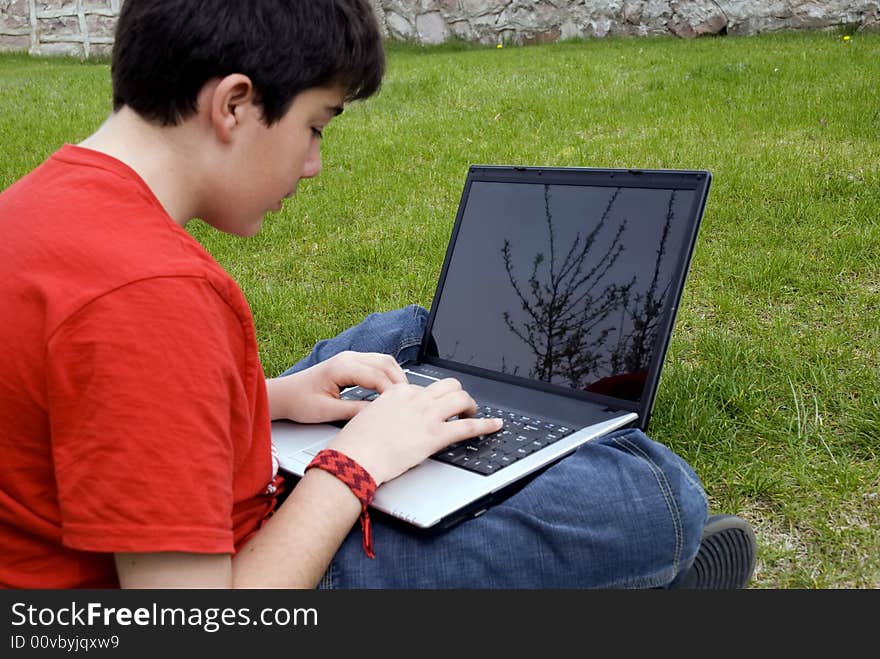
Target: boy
<point>135,413</point>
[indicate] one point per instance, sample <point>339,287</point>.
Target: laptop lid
<point>567,279</point>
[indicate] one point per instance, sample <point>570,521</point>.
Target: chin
<point>239,227</point>
<point>248,231</point>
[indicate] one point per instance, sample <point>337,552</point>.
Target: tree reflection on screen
<point>582,328</point>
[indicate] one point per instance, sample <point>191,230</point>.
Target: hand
<point>312,395</point>
<point>408,423</point>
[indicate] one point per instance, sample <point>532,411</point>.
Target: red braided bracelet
<point>356,477</point>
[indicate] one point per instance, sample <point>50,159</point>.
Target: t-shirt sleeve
<point>143,384</point>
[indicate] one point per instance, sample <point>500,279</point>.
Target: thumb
<point>328,409</point>
<point>347,409</point>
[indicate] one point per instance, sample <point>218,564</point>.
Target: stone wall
<point>530,21</point>
<point>85,27</point>
<point>58,27</point>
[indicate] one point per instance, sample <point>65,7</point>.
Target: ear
<point>231,102</point>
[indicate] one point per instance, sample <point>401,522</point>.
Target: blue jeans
<point>620,512</point>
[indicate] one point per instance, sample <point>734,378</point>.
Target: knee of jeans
<point>415,318</point>
<point>680,482</point>
<point>397,332</point>
<point>692,505</point>
<point>418,316</point>
<point>406,320</point>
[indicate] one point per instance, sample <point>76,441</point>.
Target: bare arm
<point>397,431</point>
<point>292,550</point>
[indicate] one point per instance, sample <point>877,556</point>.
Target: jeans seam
<point>409,343</point>
<point>666,491</point>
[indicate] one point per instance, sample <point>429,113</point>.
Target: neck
<point>166,158</point>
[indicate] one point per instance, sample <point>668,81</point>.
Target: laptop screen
<point>565,284</point>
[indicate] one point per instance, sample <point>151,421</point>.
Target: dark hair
<point>166,50</point>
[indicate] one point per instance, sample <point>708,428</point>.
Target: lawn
<point>772,388</point>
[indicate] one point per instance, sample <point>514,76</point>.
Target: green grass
<point>772,389</point>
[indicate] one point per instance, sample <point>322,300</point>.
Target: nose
<point>312,166</point>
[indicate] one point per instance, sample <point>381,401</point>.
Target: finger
<point>455,403</point>
<point>387,365</point>
<point>372,372</point>
<point>344,410</point>
<point>456,431</point>
<point>443,387</point>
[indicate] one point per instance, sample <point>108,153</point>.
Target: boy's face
<point>269,161</point>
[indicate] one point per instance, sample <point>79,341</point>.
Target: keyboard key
<point>519,437</point>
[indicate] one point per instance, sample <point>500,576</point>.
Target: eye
<point>318,132</point>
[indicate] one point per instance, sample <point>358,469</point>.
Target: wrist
<point>279,397</point>
<point>358,480</point>
<point>360,451</point>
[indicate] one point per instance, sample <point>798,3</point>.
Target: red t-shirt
<point>133,408</point>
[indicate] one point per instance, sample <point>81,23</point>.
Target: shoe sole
<point>726,557</point>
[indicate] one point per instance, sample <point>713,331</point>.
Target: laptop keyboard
<point>520,436</point>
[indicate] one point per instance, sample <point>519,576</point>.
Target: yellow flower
<point>846,37</point>
<point>500,46</point>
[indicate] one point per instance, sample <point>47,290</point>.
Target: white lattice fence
<point>80,28</point>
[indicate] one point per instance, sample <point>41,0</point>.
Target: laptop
<point>554,308</point>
